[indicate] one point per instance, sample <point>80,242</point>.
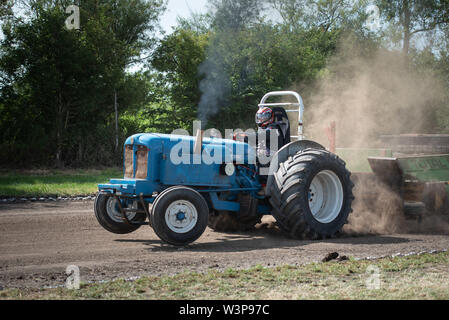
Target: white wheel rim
<point>325,196</point>
<point>181,216</point>
<point>113,211</point>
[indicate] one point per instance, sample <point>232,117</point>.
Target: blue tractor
<point>180,184</point>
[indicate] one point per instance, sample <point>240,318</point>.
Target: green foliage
<point>242,65</point>
<point>54,182</point>
<point>326,15</point>
<point>427,62</point>
<point>177,60</point>
<point>413,17</point>
<point>6,8</point>
<point>57,86</point>
<point>234,15</point>
<point>399,278</point>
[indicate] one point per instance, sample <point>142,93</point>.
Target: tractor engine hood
<point>182,147</point>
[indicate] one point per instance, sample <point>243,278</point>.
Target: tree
<point>6,8</point>
<point>326,15</point>
<point>177,60</point>
<point>235,14</point>
<point>200,23</point>
<point>64,80</point>
<point>219,76</point>
<point>414,16</point>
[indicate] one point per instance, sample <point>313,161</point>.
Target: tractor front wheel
<point>108,214</point>
<point>179,215</point>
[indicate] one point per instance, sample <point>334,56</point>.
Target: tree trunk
<point>59,132</point>
<point>80,152</point>
<point>116,120</point>
<point>406,25</point>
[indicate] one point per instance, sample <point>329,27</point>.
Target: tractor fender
<point>282,155</point>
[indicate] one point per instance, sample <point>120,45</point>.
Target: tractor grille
<point>141,158</point>
<point>129,170</point>
<point>142,162</point>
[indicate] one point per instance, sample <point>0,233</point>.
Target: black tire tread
<point>105,221</point>
<point>289,200</point>
<point>158,215</point>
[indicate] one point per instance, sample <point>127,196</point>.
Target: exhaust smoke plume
<point>214,86</point>
<point>230,20</point>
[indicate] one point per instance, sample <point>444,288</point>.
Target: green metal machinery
<point>413,167</point>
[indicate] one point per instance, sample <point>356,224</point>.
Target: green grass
<point>424,276</point>
<point>54,182</point>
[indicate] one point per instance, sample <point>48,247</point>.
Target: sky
<point>182,8</point>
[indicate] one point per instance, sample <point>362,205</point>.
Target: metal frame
<point>299,104</point>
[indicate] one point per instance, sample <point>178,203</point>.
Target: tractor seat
<point>281,118</point>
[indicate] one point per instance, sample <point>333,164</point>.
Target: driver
<point>267,129</point>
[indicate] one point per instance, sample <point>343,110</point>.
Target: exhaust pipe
<point>198,142</point>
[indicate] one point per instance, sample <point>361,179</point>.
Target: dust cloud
<point>376,209</point>
<point>369,94</point>
<point>380,210</point>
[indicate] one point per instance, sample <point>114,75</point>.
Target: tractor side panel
<point>194,175</point>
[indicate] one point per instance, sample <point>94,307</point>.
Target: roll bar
<point>299,104</point>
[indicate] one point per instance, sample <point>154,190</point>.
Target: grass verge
<point>54,182</point>
<point>423,276</point>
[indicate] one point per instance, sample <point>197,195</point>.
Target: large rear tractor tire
<point>107,212</point>
<point>311,194</point>
<point>244,220</point>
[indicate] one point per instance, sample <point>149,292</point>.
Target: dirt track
<point>39,240</point>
